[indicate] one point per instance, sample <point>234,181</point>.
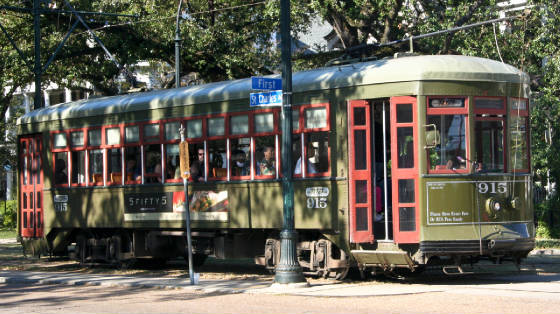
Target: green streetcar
<point>398,163</point>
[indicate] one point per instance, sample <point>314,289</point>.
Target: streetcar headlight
<point>493,206</point>
<point>497,206</point>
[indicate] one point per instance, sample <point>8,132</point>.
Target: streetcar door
<point>404,169</point>
<point>31,187</point>
<point>360,171</point>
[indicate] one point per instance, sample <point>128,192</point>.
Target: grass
<point>7,233</point>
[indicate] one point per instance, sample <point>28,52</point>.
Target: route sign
<point>265,83</point>
<point>272,98</point>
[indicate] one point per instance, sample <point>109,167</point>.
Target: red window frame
<point>96,147</point>
<point>124,146</point>
<point>450,111</point>
<point>253,135</point>
<point>152,140</point>
<point>166,142</point>
<point>522,113</point>
<point>206,138</point>
<point>72,149</point>
<point>56,150</point>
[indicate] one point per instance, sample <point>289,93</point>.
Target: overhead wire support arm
<point>21,55</point>
<point>60,46</point>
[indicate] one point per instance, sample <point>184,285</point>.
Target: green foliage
<point>8,217</point>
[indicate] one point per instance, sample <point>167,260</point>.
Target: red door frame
<point>404,173</point>
<point>31,186</point>
<point>363,235</point>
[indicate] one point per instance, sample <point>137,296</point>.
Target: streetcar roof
<point>414,68</point>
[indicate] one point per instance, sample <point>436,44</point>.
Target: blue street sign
<point>272,98</point>
<point>266,83</point>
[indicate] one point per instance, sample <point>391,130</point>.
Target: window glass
<point>447,102</point>
<point>451,152</point>
<point>94,137</point>
<point>404,113</point>
<point>519,104</point>
<point>131,134</point>
<point>151,132</point>
<point>317,152</point>
<point>406,190</point>
<point>172,131</point>
<point>296,153</point>
<point>59,140</point>
<point>359,116</point>
<point>518,142</point>
<point>264,122</point>
<point>489,143</point>
<point>194,128</point>
<point>114,165</point>
<point>78,167</point>
<point>113,136</point>
<point>315,118</point>
<point>405,147</point>
<point>172,167</point>
<point>133,164</point>
<point>240,164</point>
<point>265,155</point>
<point>96,166</point>
<point>216,127</point>
<point>61,168</point>
<point>77,139</point>
<point>488,103</point>
<point>152,163</point>
<point>239,124</point>
<point>407,219</point>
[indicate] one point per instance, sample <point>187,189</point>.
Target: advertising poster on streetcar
<point>203,205</point>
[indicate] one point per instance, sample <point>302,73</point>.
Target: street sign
<point>272,98</point>
<point>265,83</point>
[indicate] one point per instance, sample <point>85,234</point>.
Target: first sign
<point>264,83</point>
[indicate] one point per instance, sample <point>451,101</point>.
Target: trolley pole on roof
<point>288,270</point>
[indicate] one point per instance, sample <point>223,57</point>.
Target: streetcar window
<point>59,140</point>
<point>194,128</point>
<point>152,163</point>
<point>96,166</point>
<point>407,219</point>
<point>405,147</point>
<point>295,119</point>
<point>172,131</point>
<point>404,113</point>
<point>78,167</point>
<point>239,124</point>
<point>61,168</point>
<point>518,104</point>
<point>264,122</point>
<point>488,103</point>
<point>518,143</point>
<point>447,102</point>
<point>77,139</point>
<point>315,118</point>
<point>240,165</point>
<point>450,154</point>
<point>132,134</point>
<point>489,144</point>
<point>133,164</point>
<point>198,160</point>
<point>172,169</point>
<point>216,127</point>
<point>94,137</point>
<point>265,155</point>
<point>114,166</point>
<point>296,153</point>
<point>113,136</point>
<point>151,132</point>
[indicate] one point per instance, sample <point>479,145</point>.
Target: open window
<point>489,144</point>
<point>519,135</point>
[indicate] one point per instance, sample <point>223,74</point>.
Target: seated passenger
<point>268,166</point>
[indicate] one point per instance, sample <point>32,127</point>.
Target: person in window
<point>239,164</point>
<point>310,166</point>
<point>60,175</point>
<point>268,165</point>
<point>197,166</point>
<point>132,170</point>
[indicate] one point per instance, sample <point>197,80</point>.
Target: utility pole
<point>288,270</point>
<point>38,102</point>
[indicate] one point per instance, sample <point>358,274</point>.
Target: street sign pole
<point>288,270</point>
<point>184,166</point>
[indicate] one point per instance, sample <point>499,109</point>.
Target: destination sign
<point>273,98</point>
<point>265,83</point>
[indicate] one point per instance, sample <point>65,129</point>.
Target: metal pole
<point>288,269</point>
<point>38,102</point>
<point>178,47</point>
<point>385,204</point>
<point>187,218</point>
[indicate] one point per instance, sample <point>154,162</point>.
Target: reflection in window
<point>315,118</point>
<point>451,153</point>
<point>265,155</point>
<point>194,128</point>
<point>131,134</point>
<point>172,131</point>
<point>94,137</point>
<point>239,124</point>
<point>78,167</point>
<point>489,146</point>
<point>96,166</point>
<point>240,164</point>
<point>518,140</point>
<point>77,139</point>
<point>405,147</point>
<point>151,132</point>
<point>61,168</point>
<point>59,140</point>
<point>113,136</point>
<point>264,122</point>
<point>216,127</point>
